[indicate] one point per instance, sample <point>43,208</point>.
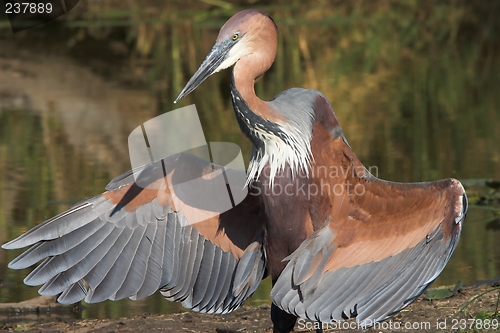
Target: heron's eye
<point>235,36</point>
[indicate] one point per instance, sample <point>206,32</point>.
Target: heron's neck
<point>245,72</point>
<point>276,142</point>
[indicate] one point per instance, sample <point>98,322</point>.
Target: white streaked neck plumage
<point>276,153</point>
<point>276,142</point>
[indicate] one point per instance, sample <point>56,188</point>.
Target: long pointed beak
<point>207,68</point>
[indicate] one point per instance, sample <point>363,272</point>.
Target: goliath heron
<point>334,254</point>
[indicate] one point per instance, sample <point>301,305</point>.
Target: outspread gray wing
<point>129,242</point>
<point>371,292</point>
<point>351,268</point>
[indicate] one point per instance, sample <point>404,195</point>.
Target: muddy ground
<point>422,316</point>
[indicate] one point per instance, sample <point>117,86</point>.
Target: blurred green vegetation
<point>415,85</point>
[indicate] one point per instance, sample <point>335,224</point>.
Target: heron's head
<point>249,32</point>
